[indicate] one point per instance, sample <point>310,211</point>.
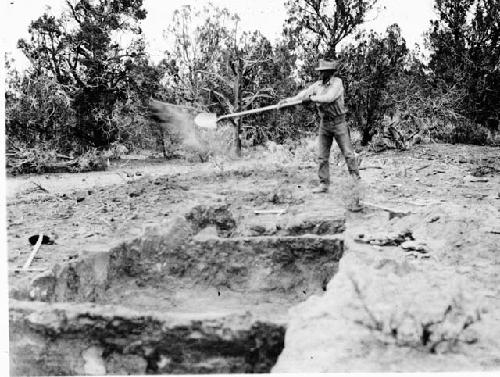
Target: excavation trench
<point>198,294</point>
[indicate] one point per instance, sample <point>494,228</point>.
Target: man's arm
<point>301,96</point>
<point>334,91</point>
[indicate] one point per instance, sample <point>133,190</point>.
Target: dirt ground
<point>449,196</point>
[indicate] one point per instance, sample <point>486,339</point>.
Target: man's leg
<point>342,137</point>
<point>325,143</point>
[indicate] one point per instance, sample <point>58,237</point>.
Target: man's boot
<point>320,189</point>
<point>355,205</point>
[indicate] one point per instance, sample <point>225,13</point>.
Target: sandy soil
<point>449,196</point>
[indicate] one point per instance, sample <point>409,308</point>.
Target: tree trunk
<point>237,107</point>
<point>366,136</point>
<point>162,140</point>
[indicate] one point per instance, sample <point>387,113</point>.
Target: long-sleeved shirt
<point>329,97</point>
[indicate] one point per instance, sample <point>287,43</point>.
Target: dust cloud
<point>178,119</point>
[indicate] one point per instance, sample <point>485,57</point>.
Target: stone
<point>385,239</point>
<point>202,215</point>
<point>93,362</point>
<point>379,320</point>
<point>415,245</point>
<point>210,232</point>
<point>315,224</point>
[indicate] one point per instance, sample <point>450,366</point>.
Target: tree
<point>370,67</point>
<point>318,26</point>
<point>37,110</point>
<point>465,44</point>
<point>218,67</point>
<point>79,52</point>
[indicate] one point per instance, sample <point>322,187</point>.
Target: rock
<point>210,232</point>
<point>385,239</point>
<point>415,245</point>
<point>202,215</point>
<point>137,192</point>
<point>475,179</point>
<point>315,224</point>
<point>46,240</point>
<point>93,362</point>
<point>389,319</point>
<point>434,218</point>
<point>481,171</point>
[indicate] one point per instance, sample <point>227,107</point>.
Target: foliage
<point>38,111</point>
<point>465,44</point>
<point>318,26</point>
<point>78,51</point>
<point>371,69</point>
<point>43,159</point>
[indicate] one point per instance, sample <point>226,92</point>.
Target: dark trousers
<point>328,130</point>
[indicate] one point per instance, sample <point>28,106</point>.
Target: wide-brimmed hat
<point>327,65</point>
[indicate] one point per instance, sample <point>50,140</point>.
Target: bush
<point>467,132</point>
<point>39,160</point>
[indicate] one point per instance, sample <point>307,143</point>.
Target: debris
<point>417,255</point>
<point>39,186</point>
<point>270,212</point>
<point>433,219</point>
<point>386,239</point>
<point>16,222</point>
<point>33,253</point>
<point>17,270</point>
<point>481,171</point>
<point>422,167</point>
<point>136,193</point>
<point>474,179</point>
<point>415,246</point>
<point>392,212</point>
<point>355,206</point>
<point>370,167</point>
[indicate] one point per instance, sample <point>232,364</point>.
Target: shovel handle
<point>256,111</point>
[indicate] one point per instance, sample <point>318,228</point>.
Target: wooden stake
<point>33,253</point>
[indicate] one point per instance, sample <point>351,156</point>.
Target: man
<point>328,94</point>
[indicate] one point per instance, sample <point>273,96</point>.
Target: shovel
<point>209,120</point>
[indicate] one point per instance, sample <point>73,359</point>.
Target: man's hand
<point>308,99</point>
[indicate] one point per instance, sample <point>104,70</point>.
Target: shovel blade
<point>206,120</point>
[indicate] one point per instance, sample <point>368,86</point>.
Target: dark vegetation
<point>85,92</point>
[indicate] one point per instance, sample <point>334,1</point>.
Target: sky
<point>267,16</point>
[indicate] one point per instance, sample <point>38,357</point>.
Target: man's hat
<point>327,65</point>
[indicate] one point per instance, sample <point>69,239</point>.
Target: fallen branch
<point>27,270</point>
<point>270,212</point>
<point>39,186</point>
<point>423,167</point>
<point>33,253</point>
<point>370,167</point>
